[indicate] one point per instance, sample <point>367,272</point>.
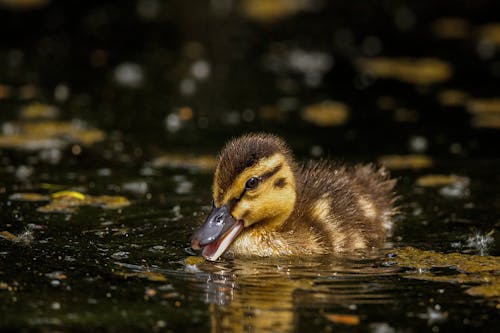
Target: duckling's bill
<point>217,234</point>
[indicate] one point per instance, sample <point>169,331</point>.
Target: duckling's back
<point>345,208</point>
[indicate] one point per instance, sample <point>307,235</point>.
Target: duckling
<point>267,204</point>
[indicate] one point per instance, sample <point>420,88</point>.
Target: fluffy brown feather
<point>335,208</point>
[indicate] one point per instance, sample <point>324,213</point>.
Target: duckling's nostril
<point>219,219</point>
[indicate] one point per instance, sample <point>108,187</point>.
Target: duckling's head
<point>254,187</point>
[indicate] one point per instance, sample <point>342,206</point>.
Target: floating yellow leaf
<point>69,201</point>
<point>109,202</point>
<point>194,260</point>
<point>30,197</point>
<point>412,161</point>
<point>484,105</point>
<point>423,71</point>
<point>328,113</point>
<point>412,257</point>
<point>59,207</point>
<point>24,238</point>
<point>49,134</point>
<point>342,318</point>
<point>485,112</point>
<point>152,276</point>
<point>47,128</point>
<point>57,275</point>
<point>486,290</point>
<point>200,162</point>
<point>23,4</point>
<point>271,10</point>
<point>150,292</point>
<point>51,187</point>
<point>70,194</point>
<point>440,180</point>
<point>64,202</point>
<point>39,111</point>
<point>90,136</point>
<point>25,142</point>
<point>8,236</point>
<point>483,270</point>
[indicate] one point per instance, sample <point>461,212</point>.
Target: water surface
<point>135,100</point>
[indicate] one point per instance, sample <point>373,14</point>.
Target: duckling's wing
<point>353,206</point>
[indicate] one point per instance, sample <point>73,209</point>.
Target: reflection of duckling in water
<point>266,204</point>
<point>251,294</point>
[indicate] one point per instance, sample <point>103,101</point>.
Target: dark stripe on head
<point>271,173</point>
<point>245,214</point>
<point>280,183</point>
<point>264,177</point>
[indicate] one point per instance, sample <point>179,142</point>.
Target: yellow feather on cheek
<point>238,186</point>
<point>267,203</point>
<point>242,210</point>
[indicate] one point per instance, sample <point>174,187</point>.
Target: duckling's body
<point>317,207</point>
<point>337,210</point>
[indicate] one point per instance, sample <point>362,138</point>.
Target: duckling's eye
<point>252,183</point>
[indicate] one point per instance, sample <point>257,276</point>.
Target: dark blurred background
<point>184,74</point>
<point>134,98</point>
